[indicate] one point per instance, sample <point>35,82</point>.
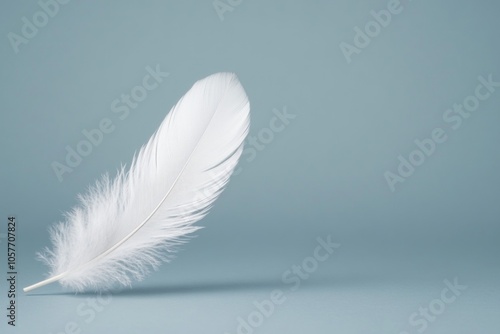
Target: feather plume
<point>128,226</point>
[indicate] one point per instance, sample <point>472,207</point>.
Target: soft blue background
<point>322,175</point>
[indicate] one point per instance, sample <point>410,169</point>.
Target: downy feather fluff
<point>126,226</point>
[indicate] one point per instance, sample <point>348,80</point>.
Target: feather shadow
<point>345,281</point>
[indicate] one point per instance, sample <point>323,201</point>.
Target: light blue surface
<point>321,173</point>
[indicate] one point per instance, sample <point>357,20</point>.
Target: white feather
<point>127,226</point>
